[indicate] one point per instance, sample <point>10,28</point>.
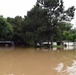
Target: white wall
<point>54,43</point>
<point>70,43</point>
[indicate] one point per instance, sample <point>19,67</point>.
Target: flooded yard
<point>30,61</point>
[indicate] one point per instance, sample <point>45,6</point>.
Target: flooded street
<point>30,61</point>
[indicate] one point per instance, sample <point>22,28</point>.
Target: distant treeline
<point>46,21</point>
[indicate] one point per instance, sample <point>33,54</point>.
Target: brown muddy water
<point>30,61</point>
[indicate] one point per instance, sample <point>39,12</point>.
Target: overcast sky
<point>12,8</point>
<point>69,3</point>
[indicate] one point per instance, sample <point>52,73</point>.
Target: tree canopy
<point>43,21</point>
<point>47,21</point>
<point>6,30</point>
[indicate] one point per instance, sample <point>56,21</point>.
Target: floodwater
<point>30,61</point>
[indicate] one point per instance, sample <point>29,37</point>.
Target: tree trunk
<point>51,42</point>
<point>48,45</point>
<point>35,43</point>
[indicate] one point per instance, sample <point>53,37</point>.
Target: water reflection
<point>70,70</point>
<point>69,48</point>
<point>66,48</point>
<point>61,48</point>
<point>7,48</point>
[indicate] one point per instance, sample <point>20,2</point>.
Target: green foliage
<point>46,21</point>
<point>6,30</point>
<point>33,24</point>
<point>73,32</point>
<point>16,23</point>
<point>68,36</point>
<point>56,14</point>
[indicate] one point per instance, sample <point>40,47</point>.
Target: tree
<point>67,36</point>
<point>73,32</point>
<point>55,14</point>
<point>16,23</point>
<point>6,30</point>
<point>34,24</point>
<point>63,26</point>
